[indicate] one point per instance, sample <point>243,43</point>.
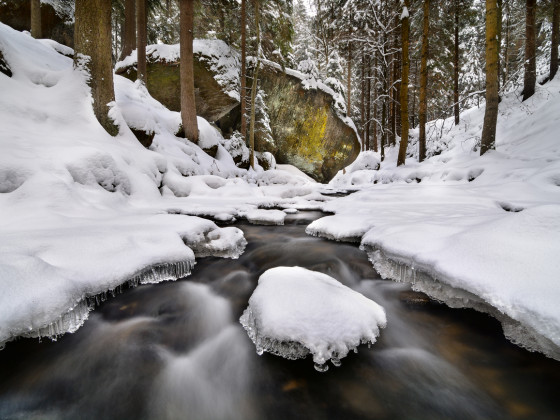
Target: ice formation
<point>295,311</point>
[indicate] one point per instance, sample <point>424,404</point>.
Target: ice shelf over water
<point>295,311</point>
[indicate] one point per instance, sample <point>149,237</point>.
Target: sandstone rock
<point>308,130</point>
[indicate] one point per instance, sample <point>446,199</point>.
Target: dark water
<point>176,351</point>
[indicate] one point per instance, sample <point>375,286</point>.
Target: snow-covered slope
<point>469,230</point>
<point>82,213</point>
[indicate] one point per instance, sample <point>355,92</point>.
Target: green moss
<point>307,139</point>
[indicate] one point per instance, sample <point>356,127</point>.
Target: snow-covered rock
<point>295,311</point>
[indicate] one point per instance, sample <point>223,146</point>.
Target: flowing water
<point>177,351</point>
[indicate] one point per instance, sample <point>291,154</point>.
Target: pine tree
<point>422,114</point>
<point>554,39</point>
<point>36,19</point>
<point>256,7</point>
<point>141,39</point>
<point>129,33</point>
<point>92,54</point>
<point>186,70</point>
<point>243,75</point>
<point>530,78</point>
<point>488,140</point>
<point>404,85</point>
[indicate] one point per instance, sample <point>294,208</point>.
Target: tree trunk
<point>36,19</point>
<point>349,81</point>
<point>422,112</point>
<point>530,78</point>
<point>456,65</point>
<point>488,140</point>
<point>404,87</point>
<point>505,72</point>
<point>368,109</point>
<point>375,146</point>
<point>92,54</point>
<point>129,33</point>
<point>254,87</point>
<point>186,70</point>
<point>554,39</point>
<point>243,76</point>
<point>142,27</point>
<point>363,99</point>
<point>413,110</point>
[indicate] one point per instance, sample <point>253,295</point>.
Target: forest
<point>249,209</point>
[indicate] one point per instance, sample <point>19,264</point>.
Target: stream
<point>176,350</point>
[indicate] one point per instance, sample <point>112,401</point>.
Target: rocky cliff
<point>307,129</point>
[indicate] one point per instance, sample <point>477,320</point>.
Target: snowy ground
<point>82,213</point>
<point>469,230</point>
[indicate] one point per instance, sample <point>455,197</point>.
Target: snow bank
<point>484,230</point>
<point>83,213</point>
<point>295,311</point>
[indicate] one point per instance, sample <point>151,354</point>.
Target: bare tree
<point>254,84</point>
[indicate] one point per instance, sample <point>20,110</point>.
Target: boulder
<point>55,24</point>
<point>308,130</point>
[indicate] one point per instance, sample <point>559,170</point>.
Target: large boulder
<point>56,24</point>
<point>214,97</point>
<point>308,128</point>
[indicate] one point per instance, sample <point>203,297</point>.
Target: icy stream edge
<point>76,316</point>
<point>518,333</point>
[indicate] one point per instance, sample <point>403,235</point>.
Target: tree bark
<point>243,76</point>
<point>254,86</point>
<point>349,81</point>
<point>456,65</point>
<point>554,39</point>
<point>129,33</point>
<point>36,19</point>
<point>530,78</point>
<point>488,140</point>
<point>141,33</point>
<point>422,112</point>
<point>92,54</point>
<point>405,28</point>
<point>363,99</point>
<point>186,70</point>
<point>368,109</point>
<point>375,146</point>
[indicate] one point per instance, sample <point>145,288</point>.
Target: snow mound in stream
<point>295,311</point>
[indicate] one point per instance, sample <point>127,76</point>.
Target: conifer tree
<point>404,85</point>
<point>488,140</point>
<point>129,33</point>
<point>554,39</point>
<point>36,19</point>
<point>530,78</point>
<point>422,114</point>
<point>141,39</point>
<point>92,54</point>
<point>186,70</point>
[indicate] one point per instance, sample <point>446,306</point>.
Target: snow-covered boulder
<point>295,311</point>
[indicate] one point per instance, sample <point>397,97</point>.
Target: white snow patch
<point>295,311</point>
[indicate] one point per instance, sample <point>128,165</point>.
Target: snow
<point>295,311</point>
<point>83,213</point>
<point>485,229</point>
